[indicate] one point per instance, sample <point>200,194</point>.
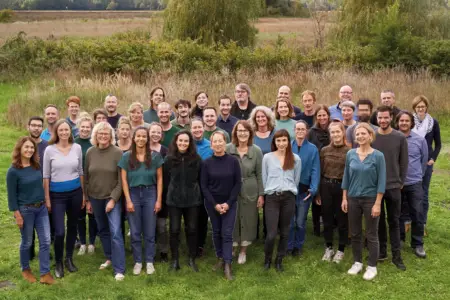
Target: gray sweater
<point>395,149</point>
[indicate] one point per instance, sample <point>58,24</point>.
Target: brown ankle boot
<point>227,271</point>
<point>47,279</point>
<point>28,276</point>
<point>218,265</point>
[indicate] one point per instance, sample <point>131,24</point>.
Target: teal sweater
<point>24,187</point>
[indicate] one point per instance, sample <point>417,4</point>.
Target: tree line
<point>83,4</point>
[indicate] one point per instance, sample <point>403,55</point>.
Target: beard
<point>364,119</point>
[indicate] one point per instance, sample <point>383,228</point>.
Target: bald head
<point>284,92</point>
<point>164,112</point>
<point>345,93</point>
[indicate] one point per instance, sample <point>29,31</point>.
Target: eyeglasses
<point>35,126</point>
<point>345,92</point>
<point>421,107</point>
<point>240,92</point>
<point>301,129</point>
<point>103,134</point>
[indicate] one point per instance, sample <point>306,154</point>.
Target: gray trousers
<point>357,208</point>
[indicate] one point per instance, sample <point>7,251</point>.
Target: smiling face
<point>124,131</point>
<point>101,118</point>
<point>85,129</point>
<point>103,137</point>
<point>283,110</point>
<point>51,115</point>
<point>284,92</point>
<point>35,128</point>
<point>201,100</point>
<point>182,143</point>
<point>197,129</point>
<point>300,130</point>
<point>323,118</point>
<point>183,111</point>
<point>157,98</point>
<point>282,142</point>
<point>336,134</point>
<point>384,119</point>
<point>155,132</point>
<point>73,109</point>
<point>64,132</point>
<point>362,136</point>
<point>164,113</point>
<point>405,123</point>
<point>140,138</point>
<point>218,144</point>
<point>111,104</point>
<point>27,150</point>
<point>347,113</point>
<point>387,99</point>
<point>345,93</point>
<point>261,119</point>
<point>308,102</point>
<point>421,109</point>
<point>209,117</point>
<point>242,134</point>
<point>225,107</point>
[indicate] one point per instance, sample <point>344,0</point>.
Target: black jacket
<point>181,179</point>
<point>319,137</point>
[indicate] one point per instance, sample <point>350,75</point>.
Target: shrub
<point>6,15</point>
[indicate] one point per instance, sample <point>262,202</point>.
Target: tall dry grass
<point>264,88</point>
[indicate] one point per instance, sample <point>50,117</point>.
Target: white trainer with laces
<point>328,256</point>
<point>119,277</point>
<point>82,250</point>
<point>356,268</point>
<point>370,273</point>
<point>91,249</point>
<point>137,268</point>
<point>150,269</point>
<point>242,258</point>
<point>338,257</point>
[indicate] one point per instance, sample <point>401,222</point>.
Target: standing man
<point>364,112</point>
<point>157,96</point>
<point>284,92</point>
<point>51,115</point>
<point>73,108</point>
<point>226,121</point>
<point>307,188</point>
<point>110,106</point>
<point>387,98</point>
<point>412,192</point>
<point>395,149</point>
<point>243,106</point>
<point>169,130</point>
<point>183,121</point>
<point>345,94</point>
<point>309,102</point>
<point>210,121</point>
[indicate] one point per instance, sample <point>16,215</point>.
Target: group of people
<point>347,161</point>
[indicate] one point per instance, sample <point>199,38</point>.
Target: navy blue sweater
<point>221,179</point>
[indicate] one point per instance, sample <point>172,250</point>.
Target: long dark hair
<point>191,151</point>
<point>17,156</point>
<point>197,111</point>
<point>289,160</point>
<point>134,162</point>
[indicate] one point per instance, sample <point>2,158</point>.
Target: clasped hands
<point>222,208</point>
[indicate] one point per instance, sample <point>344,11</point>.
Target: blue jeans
<point>110,232</point>
<point>426,187</point>
<point>35,218</point>
<point>143,222</point>
<point>297,229</point>
<point>413,196</point>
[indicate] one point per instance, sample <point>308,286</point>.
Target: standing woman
<point>181,178</point>
<point>320,137</point>
<point>281,171</point>
<point>332,162</point>
<point>363,186</point>
<point>104,189</point>
<point>283,114</point>
<point>221,182</point>
<point>85,125</point>
<point>262,121</point>
<point>141,173</point>
<point>26,199</point>
<point>201,101</point>
<point>63,185</point>
<point>136,115</point>
<point>251,196</point>
<point>123,132</point>
<point>428,128</point>
<point>162,236</point>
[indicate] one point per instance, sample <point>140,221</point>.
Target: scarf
<point>423,127</point>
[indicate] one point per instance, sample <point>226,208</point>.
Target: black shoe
<point>175,266</point>
<point>267,263</point>
<point>163,257</point>
<point>420,252</point>
<point>70,266</point>
<point>289,252</point>
<point>200,252</point>
<point>296,252</point>
<point>398,262</point>
<point>279,264</point>
<point>382,256</point>
<point>59,270</point>
<point>192,264</point>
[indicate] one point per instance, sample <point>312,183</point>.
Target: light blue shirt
<point>204,148</point>
<point>46,135</point>
<point>336,112</point>
<point>417,158</point>
<point>275,179</point>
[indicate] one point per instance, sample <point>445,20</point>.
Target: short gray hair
<point>101,126</point>
<point>348,103</point>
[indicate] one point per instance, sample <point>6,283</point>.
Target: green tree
<point>212,21</point>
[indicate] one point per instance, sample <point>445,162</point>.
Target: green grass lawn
<point>306,277</point>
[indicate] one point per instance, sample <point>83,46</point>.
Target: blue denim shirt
<point>417,158</point>
<point>336,112</point>
<point>275,179</point>
<point>309,156</point>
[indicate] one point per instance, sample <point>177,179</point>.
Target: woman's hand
<point>225,207</point>
<point>110,205</point>
<point>376,210</point>
<point>19,219</point>
<point>130,206</point>
<point>260,203</point>
<point>344,205</point>
<point>48,204</point>
<point>89,207</point>
<point>158,206</point>
<point>318,200</point>
<point>219,208</point>
<point>430,162</point>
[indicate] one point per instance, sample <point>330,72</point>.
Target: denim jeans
<point>297,231</point>
<point>426,188</point>
<point>413,196</point>
<point>35,218</point>
<point>143,222</point>
<point>65,203</point>
<point>110,232</point>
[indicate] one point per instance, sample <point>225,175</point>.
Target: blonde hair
<point>135,105</point>
<point>269,115</point>
<point>85,117</point>
<point>367,127</point>
<point>418,99</point>
<point>310,93</point>
<point>101,126</point>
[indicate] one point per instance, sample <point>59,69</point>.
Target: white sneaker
<point>119,277</point>
<point>242,258</point>
<point>370,273</point>
<point>338,257</point>
<point>356,268</point>
<point>91,249</point>
<point>150,269</point>
<point>329,252</point>
<point>129,233</point>
<point>137,268</point>
<point>82,250</point>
